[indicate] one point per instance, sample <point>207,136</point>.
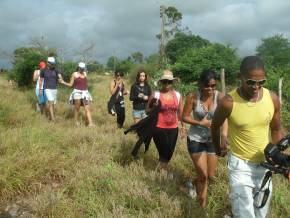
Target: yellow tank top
<point>249,126</point>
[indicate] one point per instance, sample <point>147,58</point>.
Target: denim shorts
<point>139,114</point>
<point>199,147</point>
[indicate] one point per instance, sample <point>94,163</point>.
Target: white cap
<point>82,65</point>
<point>51,60</point>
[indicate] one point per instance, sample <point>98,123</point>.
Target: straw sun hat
<point>167,75</point>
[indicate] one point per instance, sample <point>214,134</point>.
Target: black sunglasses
<point>166,81</point>
<point>210,85</point>
<point>252,82</point>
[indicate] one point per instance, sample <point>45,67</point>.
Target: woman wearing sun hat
<point>80,95</point>
<point>170,105</point>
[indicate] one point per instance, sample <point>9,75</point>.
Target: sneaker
<point>226,216</point>
<point>37,108</point>
<point>191,189</point>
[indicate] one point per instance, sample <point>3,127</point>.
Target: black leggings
<point>120,111</point>
<point>165,141</point>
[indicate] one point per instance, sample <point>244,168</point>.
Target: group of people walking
<point>236,123</point>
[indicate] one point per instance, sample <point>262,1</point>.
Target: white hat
<point>167,75</point>
<point>51,60</point>
<point>82,65</point>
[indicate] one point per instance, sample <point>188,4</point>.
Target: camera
<point>276,160</point>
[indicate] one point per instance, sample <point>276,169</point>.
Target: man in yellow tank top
<point>251,111</point>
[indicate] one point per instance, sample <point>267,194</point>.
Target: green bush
<point>26,61</point>
<point>215,56</point>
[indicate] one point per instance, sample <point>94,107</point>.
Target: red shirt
<point>167,115</point>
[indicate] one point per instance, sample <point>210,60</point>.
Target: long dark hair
<point>138,76</point>
<point>206,76</point>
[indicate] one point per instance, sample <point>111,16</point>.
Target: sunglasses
<point>166,81</point>
<point>252,82</point>
<point>210,86</point>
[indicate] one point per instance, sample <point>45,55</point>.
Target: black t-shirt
<point>136,89</point>
<point>50,78</point>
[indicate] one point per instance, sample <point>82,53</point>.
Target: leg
<point>200,162</point>
<point>211,165</point>
<point>77,104</point>
<point>89,115</point>
<point>50,106</point>
<point>161,141</point>
<point>241,187</point>
<point>136,120</point>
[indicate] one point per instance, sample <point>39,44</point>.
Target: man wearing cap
<point>48,80</point>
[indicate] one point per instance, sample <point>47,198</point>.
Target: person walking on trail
<point>41,100</point>
<point>80,95</point>
<point>251,110</point>
<point>201,105</point>
<point>170,105</point>
<point>139,95</point>
<point>49,77</point>
<point>117,91</point>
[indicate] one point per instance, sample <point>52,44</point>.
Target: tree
<point>170,22</point>
<point>275,51</point>
<point>182,42</point>
<point>25,61</point>
<point>112,63</point>
<point>192,62</point>
<point>95,66</point>
<point>137,57</point>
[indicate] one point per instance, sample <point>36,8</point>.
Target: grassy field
<point>58,170</point>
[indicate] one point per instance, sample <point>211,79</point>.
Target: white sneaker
<point>37,108</point>
<point>191,189</point>
<point>226,216</point>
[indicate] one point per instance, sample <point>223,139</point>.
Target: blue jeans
<point>245,180</point>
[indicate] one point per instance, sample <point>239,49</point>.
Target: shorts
<point>139,114</point>
<point>51,95</point>
<point>199,147</point>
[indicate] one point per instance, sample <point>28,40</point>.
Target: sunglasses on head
<point>166,81</point>
<point>252,82</point>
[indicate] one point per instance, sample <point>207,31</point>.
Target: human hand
<point>145,97</point>
<point>140,95</point>
<point>223,147</point>
<point>205,122</point>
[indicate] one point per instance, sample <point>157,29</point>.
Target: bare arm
<point>190,103</point>
<point>113,87</point>
<point>222,112</point>
<point>36,74</point>
<point>71,82</point>
<point>275,125</point>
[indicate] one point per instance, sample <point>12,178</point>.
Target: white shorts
<point>51,95</point>
<point>245,180</point>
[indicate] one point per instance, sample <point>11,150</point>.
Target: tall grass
<point>58,170</point>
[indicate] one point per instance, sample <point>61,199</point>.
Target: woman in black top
<point>139,94</point>
<point>117,90</point>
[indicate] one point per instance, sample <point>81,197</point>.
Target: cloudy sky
<point>121,27</point>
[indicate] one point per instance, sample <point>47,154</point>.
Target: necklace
<point>249,102</point>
